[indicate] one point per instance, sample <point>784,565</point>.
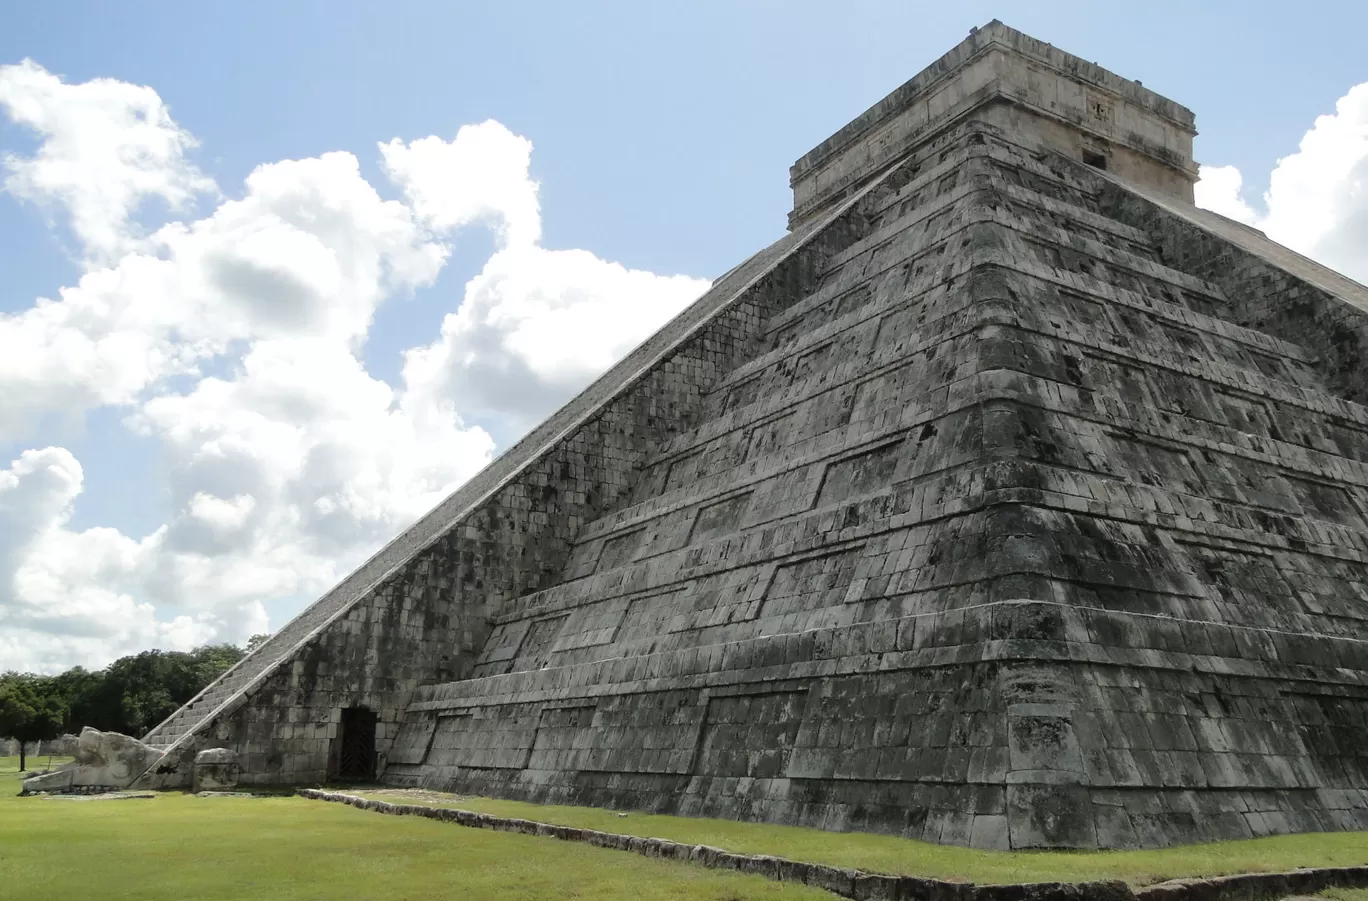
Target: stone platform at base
<point>862,886</point>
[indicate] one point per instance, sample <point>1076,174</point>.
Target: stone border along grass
<point>862,886</point>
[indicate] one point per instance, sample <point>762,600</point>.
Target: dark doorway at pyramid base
<point>356,745</point>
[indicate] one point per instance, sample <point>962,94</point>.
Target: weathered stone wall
<point>1268,287</point>
<point>424,621</point>
<point>1010,536</point>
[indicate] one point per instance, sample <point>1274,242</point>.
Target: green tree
<point>213,660</point>
<point>142,690</point>
<point>134,693</point>
<point>79,689</point>
<point>30,710</point>
<point>256,641</point>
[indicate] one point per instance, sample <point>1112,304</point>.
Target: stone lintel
<point>1041,95</point>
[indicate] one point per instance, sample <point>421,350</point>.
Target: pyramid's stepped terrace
<point>1009,501</point>
<point>1003,473</point>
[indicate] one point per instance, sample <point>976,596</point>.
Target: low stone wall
<point>63,746</point>
<point>862,886</point>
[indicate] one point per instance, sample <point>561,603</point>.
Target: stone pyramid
<point>1008,501</point>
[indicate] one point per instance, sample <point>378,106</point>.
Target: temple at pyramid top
<point>1037,92</point>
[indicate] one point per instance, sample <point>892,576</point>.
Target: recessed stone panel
<point>719,518</point>
<point>540,642</point>
<point>618,550</point>
<point>768,437</point>
<point>809,583</point>
<point>859,474</point>
<point>749,735</point>
<point>414,738</point>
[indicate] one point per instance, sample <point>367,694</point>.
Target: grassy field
<point>887,854</point>
<point>177,846</point>
<point>181,847</point>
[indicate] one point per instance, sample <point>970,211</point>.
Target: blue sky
<point>660,139</point>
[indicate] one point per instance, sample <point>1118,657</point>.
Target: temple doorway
<point>356,757</point>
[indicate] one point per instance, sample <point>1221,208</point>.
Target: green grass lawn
<point>36,763</point>
<point>888,854</point>
<point>179,847</point>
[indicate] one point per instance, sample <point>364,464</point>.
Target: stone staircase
<point>276,649</point>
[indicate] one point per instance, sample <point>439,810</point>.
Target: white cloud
<point>106,146</point>
<point>288,472</point>
<point>291,463</point>
<point>1317,197</point>
<point>481,174</point>
<point>221,515</point>
<point>310,250</point>
<point>1219,189</point>
<point>68,595</point>
<point>536,325</point>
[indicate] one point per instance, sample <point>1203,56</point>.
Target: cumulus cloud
<point>1317,197</point>
<point>291,466</point>
<point>71,593</point>
<point>535,324</point>
<point>286,462</point>
<point>481,174</point>
<point>105,147</point>
<point>310,250</point>
<point>1219,189</point>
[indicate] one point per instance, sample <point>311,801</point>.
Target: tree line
<point>131,695</point>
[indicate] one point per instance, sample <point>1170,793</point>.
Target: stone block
<point>990,832</point>
<point>1050,816</point>
<point>216,769</point>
